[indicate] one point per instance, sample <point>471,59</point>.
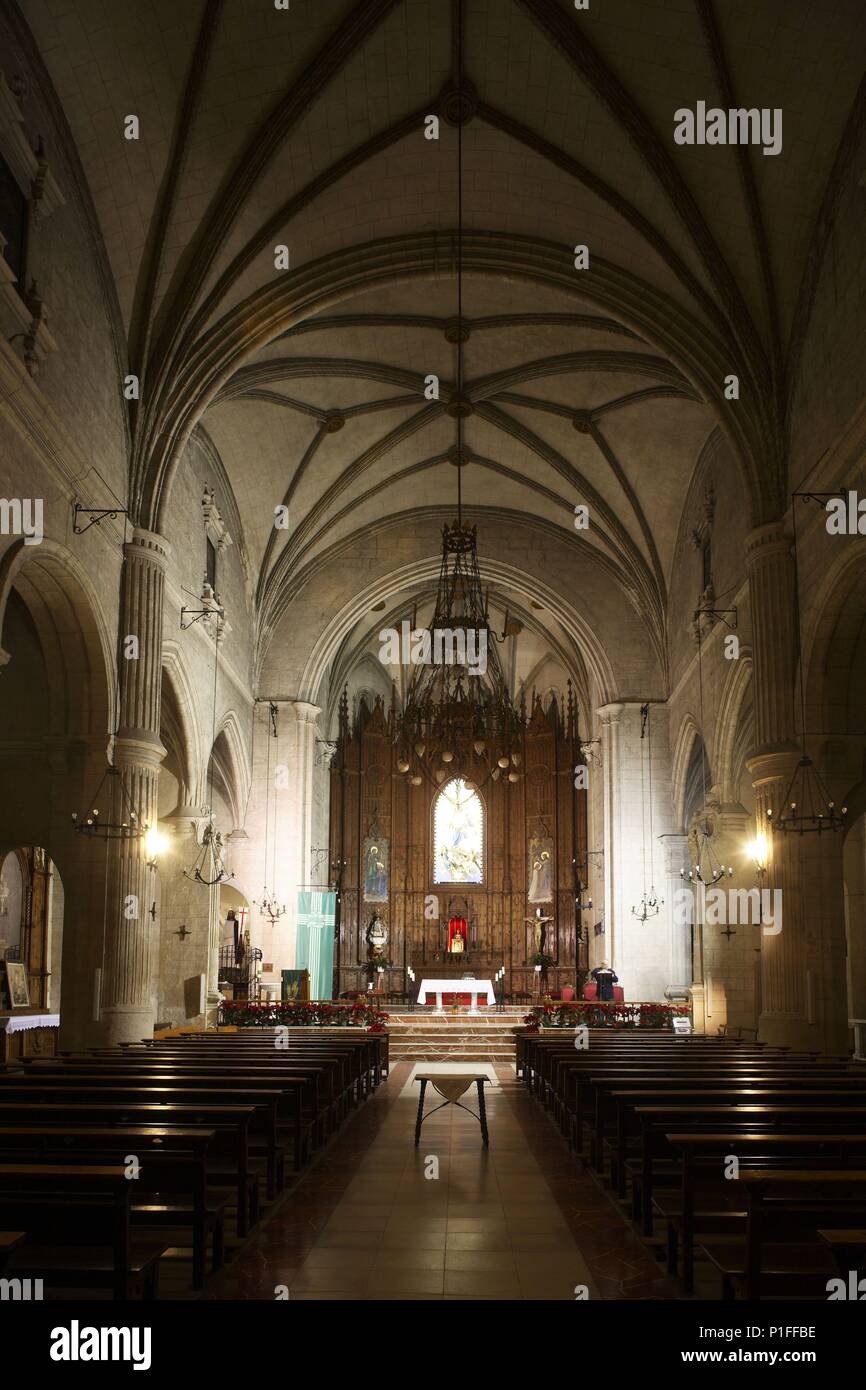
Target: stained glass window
<point>458,835</point>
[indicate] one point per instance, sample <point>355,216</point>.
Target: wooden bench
<point>43,1191</point>
<point>173,1167</point>
<point>700,1160</point>
<point>782,1204</point>
<point>230,1123</point>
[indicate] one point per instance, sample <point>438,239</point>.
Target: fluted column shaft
<point>803,994</point>
<point>677,859</point>
<point>610,717</point>
<point>126,1008</point>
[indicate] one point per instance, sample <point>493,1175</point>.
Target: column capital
<point>138,746</point>
<point>676,850</point>
<point>610,714</point>
<point>304,713</point>
<point>773,765</point>
<point>148,545</point>
<point>766,541</point>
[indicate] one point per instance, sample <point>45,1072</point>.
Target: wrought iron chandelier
<point>808,808</point>
<point>211,847</point>
<point>116,820</point>
<point>708,868</point>
<point>456,720</point>
<point>268,904</point>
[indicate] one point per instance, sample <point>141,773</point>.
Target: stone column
<point>305,761</point>
<point>803,965</point>
<point>610,718</point>
<point>675,848</point>
<point>855,917</point>
<point>184,937</point>
<point>290,818</point>
<point>729,960</point>
<point>126,1012</point>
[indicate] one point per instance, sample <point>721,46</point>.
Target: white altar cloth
<point>24,1022</point>
<point>474,988</point>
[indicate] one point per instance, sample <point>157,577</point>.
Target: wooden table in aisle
<point>451,1086</point>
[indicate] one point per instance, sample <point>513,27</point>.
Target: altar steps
<point>463,1037</point>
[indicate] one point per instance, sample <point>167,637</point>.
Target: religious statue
<point>539,923</point>
<point>457,928</point>
<point>377,936</point>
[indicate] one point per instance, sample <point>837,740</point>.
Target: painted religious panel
<point>458,835</point>
<point>541,869</point>
<point>376,869</point>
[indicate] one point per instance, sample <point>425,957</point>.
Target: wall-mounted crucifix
<point>183,932</point>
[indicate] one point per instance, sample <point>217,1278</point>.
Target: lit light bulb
<point>155,844</point>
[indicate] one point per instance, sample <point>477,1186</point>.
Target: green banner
<point>315,944</point>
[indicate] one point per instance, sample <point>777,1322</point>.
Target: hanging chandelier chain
<point>807,807</point>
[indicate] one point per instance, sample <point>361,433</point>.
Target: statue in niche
<point>377,937</point>
<point>539,924</point>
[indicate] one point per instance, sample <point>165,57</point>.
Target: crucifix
<point>183,932</point>
<point>728,933</point>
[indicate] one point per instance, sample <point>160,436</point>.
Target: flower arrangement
<point>592,1014</point>
<point>541,958</point>
<point>297,1014</point>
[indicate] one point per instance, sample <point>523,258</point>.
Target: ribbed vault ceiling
<point>305,127</point>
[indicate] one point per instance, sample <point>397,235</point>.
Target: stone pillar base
<point>212,1009</point>
<point>697,994</point>
<point>781,1030</point>
<point>124,1025</point>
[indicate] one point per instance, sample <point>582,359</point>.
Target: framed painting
<point>295,986</point>
<point>16,985</point>
<point>376,856</point>
<point>541,869</point>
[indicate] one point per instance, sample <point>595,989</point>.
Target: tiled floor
<point>516,1221</point>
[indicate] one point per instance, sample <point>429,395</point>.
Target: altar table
<point>471,987</point>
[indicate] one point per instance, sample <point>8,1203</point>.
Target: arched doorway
<point>56,714</point>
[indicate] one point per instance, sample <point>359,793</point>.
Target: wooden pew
<point>702,1154</point>
<point>657,1120</point>
<point>592,1088</point>
<point>707,1092</point>
<point>282,1096</point>
<point>782,1204</point>
<point>173,1164</point>
<point>230,1123</point>
<point>263,1100</point>
<point>9,1242</point>
<point>37,1188</point>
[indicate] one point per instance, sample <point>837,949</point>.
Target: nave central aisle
<point>517,1221</point>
